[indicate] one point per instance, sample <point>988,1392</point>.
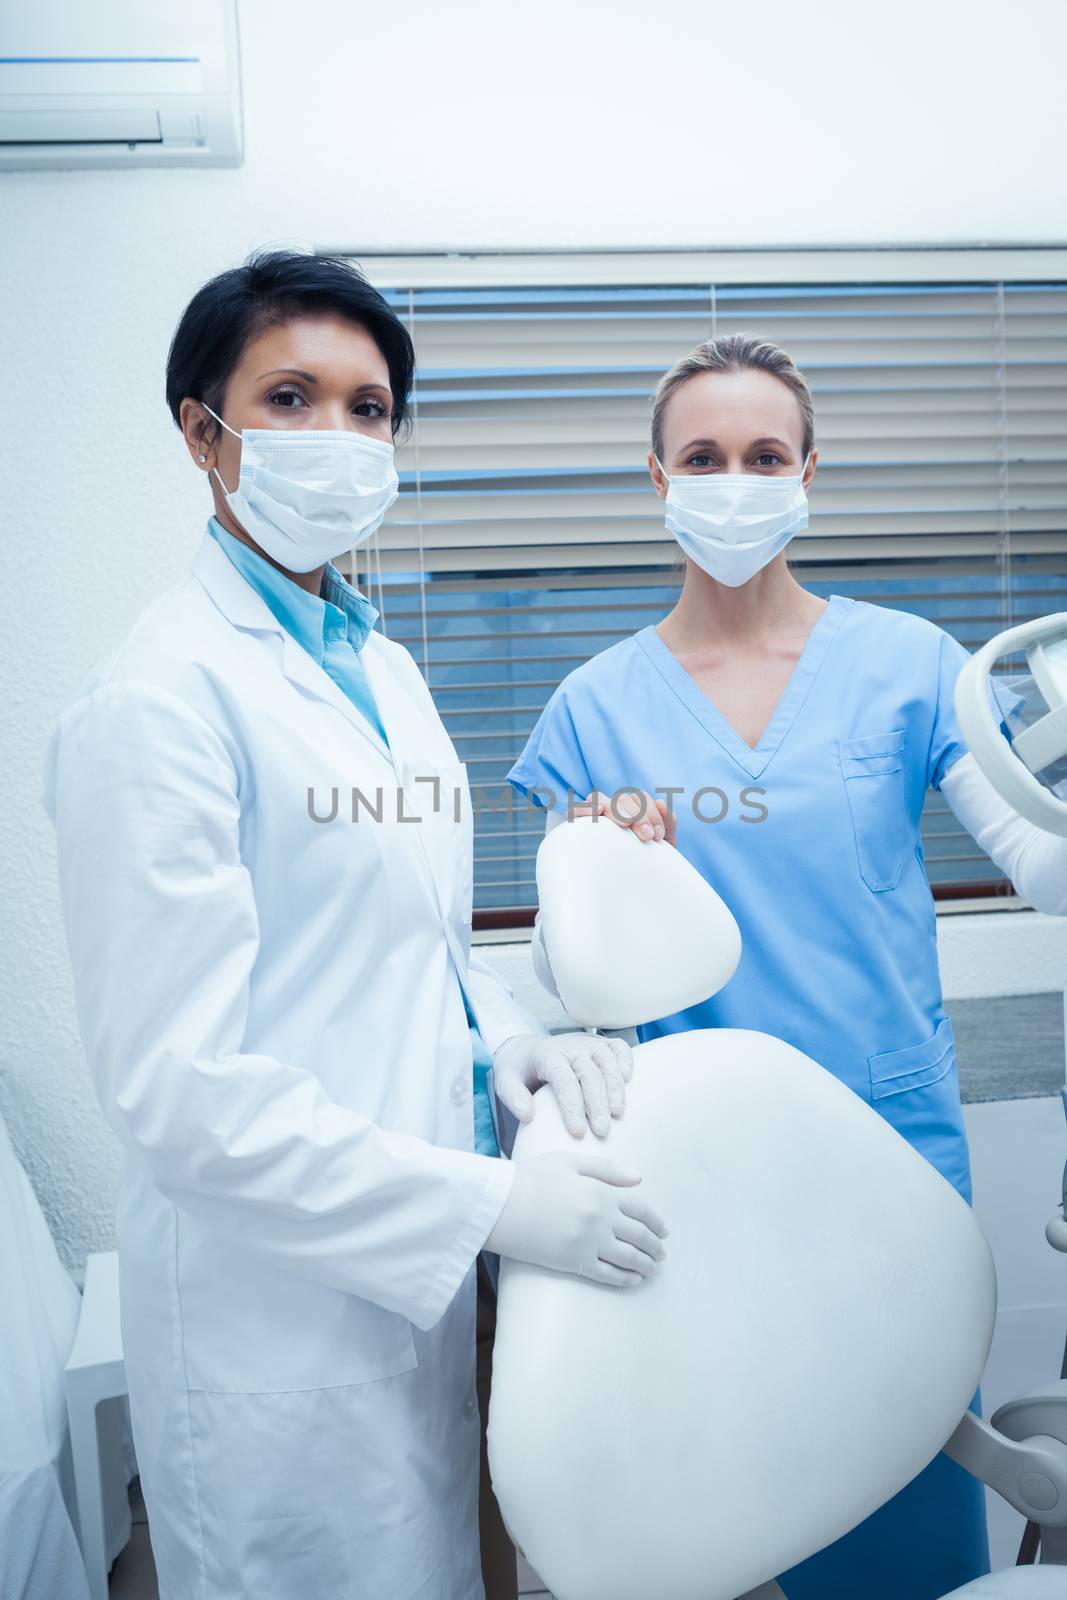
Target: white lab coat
<point>272,1011</point>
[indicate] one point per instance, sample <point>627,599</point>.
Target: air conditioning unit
<point>120,83</point>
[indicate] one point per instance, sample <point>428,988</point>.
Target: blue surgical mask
<point>733,523</point>
<point>307,497</point>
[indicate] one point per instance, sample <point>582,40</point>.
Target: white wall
<point>411,127</point>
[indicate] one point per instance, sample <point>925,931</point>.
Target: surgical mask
<point>733,523</point>
<point>307,497</point>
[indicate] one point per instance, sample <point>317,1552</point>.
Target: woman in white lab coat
<point>265,866</point>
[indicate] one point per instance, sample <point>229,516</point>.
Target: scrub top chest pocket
<point>872,769</point>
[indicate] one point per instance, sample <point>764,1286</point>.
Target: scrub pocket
<point>917,1091</point>
<point>897,1071</point>
<point>873,771</point>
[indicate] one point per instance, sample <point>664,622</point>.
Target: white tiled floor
<point>133,1576</point>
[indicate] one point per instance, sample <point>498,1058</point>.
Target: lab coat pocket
<point>275,1480</point>
<point>249,1327</point>
<point>872,768</point>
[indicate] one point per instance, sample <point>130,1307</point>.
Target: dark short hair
<point>272,287</point>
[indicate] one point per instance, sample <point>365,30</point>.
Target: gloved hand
<point>565,1212</point>
<point>588,1073</point>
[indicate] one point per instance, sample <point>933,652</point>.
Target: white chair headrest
<point>606,898</point>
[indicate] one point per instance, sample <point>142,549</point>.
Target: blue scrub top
<point>812,839</point>
<point>333,628</point>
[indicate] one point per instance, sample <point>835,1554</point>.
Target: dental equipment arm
<point>1022,1454</point>
<point>1035,861</point>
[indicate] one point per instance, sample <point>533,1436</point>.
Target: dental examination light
<point>1029,771</point>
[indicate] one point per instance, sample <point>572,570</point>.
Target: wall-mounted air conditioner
<point>120,83</point>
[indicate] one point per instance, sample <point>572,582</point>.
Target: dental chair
<point>821,1322</point>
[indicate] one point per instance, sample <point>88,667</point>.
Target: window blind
<point>527,535</point>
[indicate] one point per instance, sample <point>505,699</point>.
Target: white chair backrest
<point>811,1341</point>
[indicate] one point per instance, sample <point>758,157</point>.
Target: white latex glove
<point>588,1073</point>
<point>564,1212</point>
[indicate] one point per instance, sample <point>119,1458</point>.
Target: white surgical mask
<point>307,497</point>
<point>733,523</point>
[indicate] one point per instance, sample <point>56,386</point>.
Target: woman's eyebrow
<point>309,377</point>
<point>294,372</point>
<point>712,444</point>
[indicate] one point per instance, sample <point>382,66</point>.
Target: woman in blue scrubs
<point>786,744</point>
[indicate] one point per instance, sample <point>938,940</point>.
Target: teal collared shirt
<point>333,627</point>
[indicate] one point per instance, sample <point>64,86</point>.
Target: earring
<point>201,459</point>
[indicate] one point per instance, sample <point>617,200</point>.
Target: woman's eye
<point>370,408</point>
<point>768,459</point>
<point>700,461</point>
<point>288,399</point>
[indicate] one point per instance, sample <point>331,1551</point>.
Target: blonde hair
<point>734,352</point>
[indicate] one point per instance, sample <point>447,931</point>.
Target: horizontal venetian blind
<point>941,411</point>
<point>499,646</point>
<point>527,536</point>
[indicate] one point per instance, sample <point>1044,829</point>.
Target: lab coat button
<point>470,1405</point>
<point>458,1091</point>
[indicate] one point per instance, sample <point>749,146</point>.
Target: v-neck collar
<point>754,761</point>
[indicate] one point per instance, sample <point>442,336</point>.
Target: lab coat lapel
<point>428,775</point>
<point>403,728</point>
<point>311,679</point>
<point>418,748</point>
<point>246,609</point>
